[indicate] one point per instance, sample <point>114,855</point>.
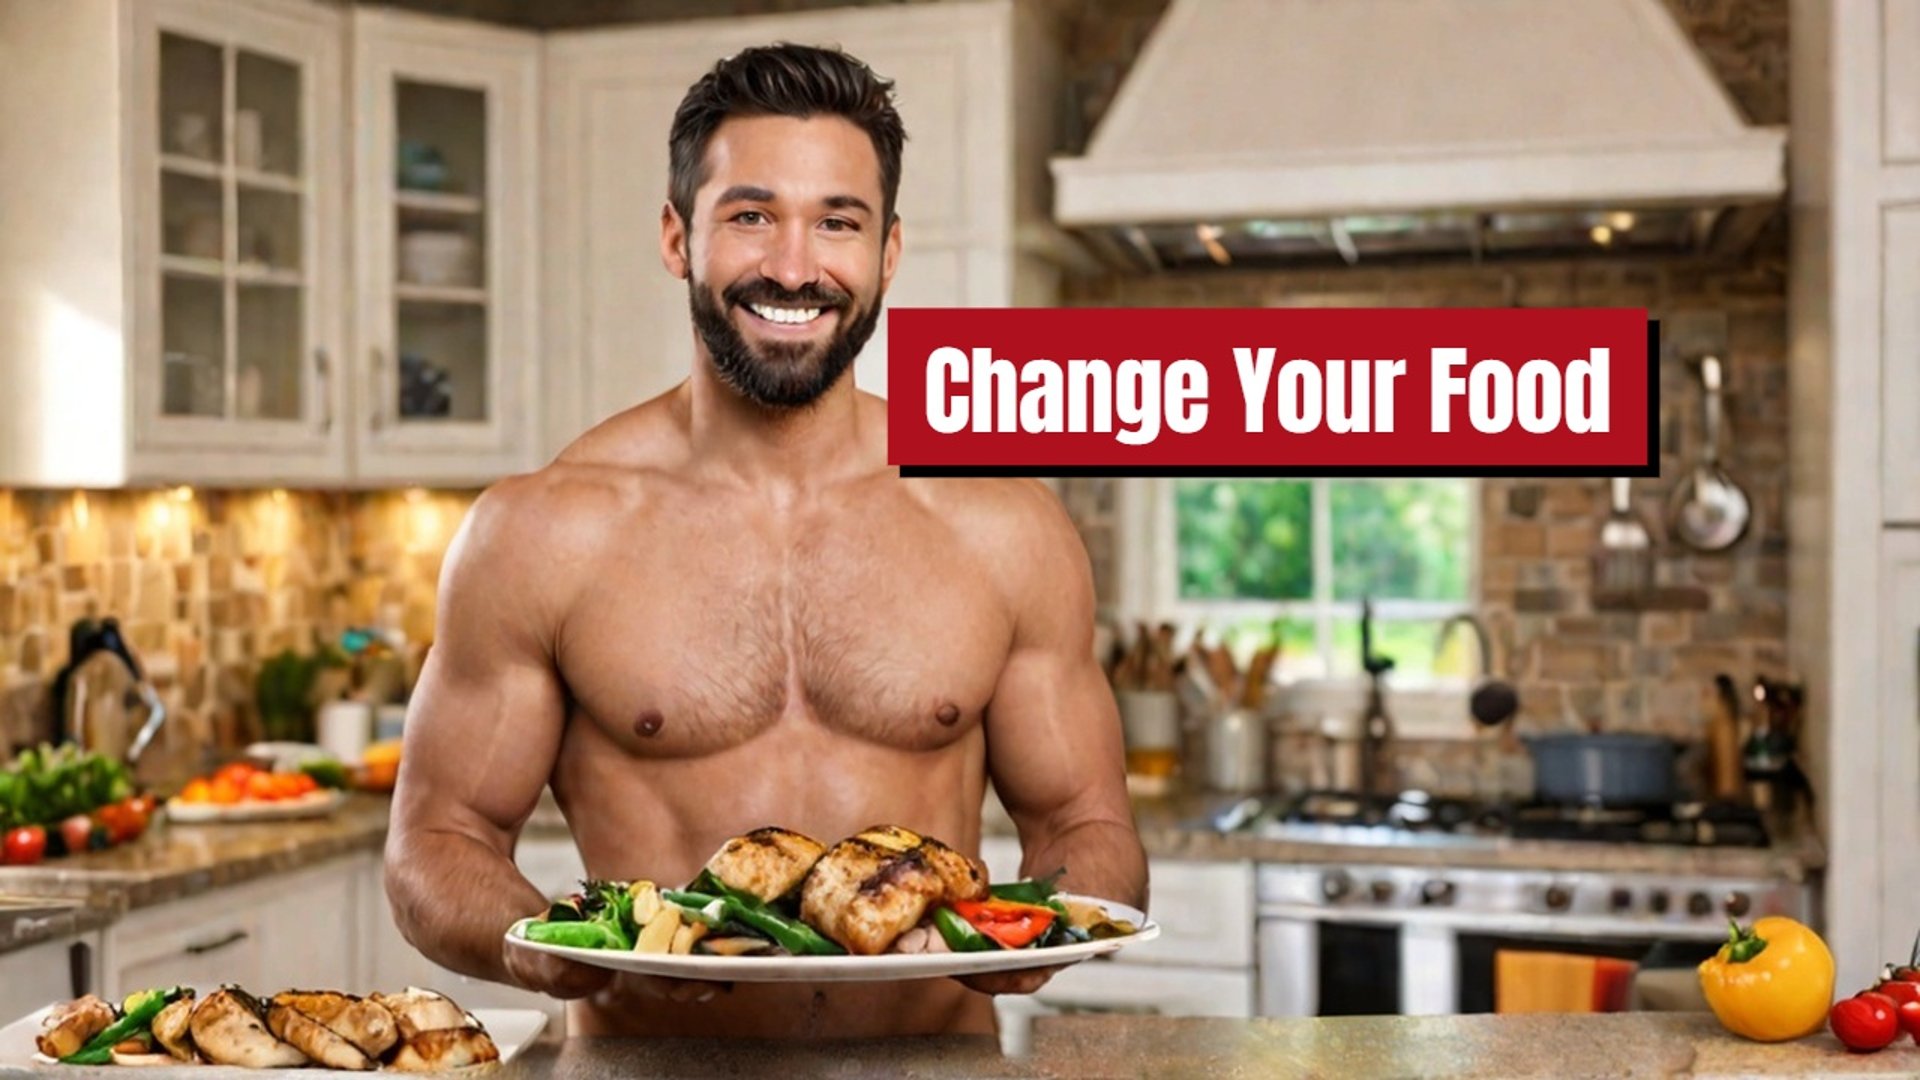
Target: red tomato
<point>144,805</point>
<point>237,773</point>
<point>113,818</point>
<point>1865,1022</point>
<point>1900,991</point>
<point>75,831</point>
<point>225,792</point>
<point>24,846</point>
<point>263,787</point>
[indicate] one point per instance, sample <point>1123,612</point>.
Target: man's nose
<point>790,259</point>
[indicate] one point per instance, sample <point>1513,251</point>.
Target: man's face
<point>786,257</point>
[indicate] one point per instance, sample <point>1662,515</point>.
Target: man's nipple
<point>649,724</point>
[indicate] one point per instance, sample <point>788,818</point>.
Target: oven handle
<point>1508,923</point>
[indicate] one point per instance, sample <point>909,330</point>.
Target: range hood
<point>1260,131</point>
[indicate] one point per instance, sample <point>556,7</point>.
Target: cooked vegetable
<point>1030,891</point>
<point>1010,924</point>
<point>1770,983</point>
<point>657,935</point>
<point>734,946</point>
<point>790,934</point>
<point>646,901</point>
<point>959,934</point>
<point>576,935</point>
<point>685,936</point>
<point>136,1018</point>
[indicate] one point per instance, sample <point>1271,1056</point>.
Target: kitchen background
<point>217,557</point>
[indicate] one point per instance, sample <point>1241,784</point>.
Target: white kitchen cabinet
<point>973,194</point>
<point>172,267</point>
<point>445,196</point>
<point>42,974</point>
<point>297,929</point>
<point>177,301</point>
<point>1855,490</point>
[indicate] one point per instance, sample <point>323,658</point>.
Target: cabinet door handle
<point>201,948</point>
<point>377,417</point>
<point>323,378</point>
<point>80,968</point>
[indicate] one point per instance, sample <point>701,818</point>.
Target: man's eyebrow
<point>847,202</point>
<point>745,193</point>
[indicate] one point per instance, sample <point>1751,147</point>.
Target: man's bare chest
<point>701,639</point>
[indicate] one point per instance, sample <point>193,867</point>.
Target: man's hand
<point>1009,982</point>
<point>567,979</point>
<point>553,975</point>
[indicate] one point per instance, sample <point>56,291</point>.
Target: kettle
<point>100,647</point>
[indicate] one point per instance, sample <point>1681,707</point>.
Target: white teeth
<point>793,316</point>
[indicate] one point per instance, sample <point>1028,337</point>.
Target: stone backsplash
<point>206,585</point>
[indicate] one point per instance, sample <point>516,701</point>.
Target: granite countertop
<point>1614,1044</point>
<point>174,861</point>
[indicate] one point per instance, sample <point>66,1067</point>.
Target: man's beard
<point>779,374</point>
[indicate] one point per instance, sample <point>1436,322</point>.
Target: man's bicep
<point>1053,740</point>
<point>487,716</point>
<point>1053,743</point>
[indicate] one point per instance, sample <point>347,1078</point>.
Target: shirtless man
<point>721,609</point>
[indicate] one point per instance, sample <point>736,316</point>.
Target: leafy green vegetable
<point>48,784</point>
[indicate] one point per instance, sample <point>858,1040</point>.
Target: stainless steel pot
<point>1611,769</point>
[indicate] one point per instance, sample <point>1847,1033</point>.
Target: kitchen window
<point>1247,557</point>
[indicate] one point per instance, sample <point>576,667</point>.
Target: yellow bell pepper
<point>1771,983</point>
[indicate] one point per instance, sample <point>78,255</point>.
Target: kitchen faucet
<point>1376,727</point>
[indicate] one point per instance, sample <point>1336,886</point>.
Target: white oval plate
<point>886,967</point>
<point>313,804</point>
<point>513,1030</point>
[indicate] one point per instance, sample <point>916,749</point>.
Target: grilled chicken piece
<point>368,1025</point>
<point>768,863</point>
<point>965,879</point>
<point>446,1048</point>
<point>67,1028</point>
<point>417,1010</point>
<point>315,1039</point>
<point>228,1029</point>
<point>170,1028</point>
<point>873,887</point>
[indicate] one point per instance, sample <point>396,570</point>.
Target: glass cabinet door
<point>240,251</point>
<point>446,158</point>
<point>234,233</point>
<point>441,370</point>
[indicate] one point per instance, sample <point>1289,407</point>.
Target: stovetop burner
<point>1684,824</point>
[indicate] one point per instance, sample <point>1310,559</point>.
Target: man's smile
<point>782,319</point>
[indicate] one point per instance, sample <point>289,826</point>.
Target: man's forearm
<point>454,897</point>
<point>1102,858</point>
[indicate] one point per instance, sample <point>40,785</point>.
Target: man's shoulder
<point>1017,523</point>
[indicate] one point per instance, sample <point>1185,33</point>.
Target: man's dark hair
<point>783,80</point>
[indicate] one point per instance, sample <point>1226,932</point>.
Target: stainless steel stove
<point>1420,937</point>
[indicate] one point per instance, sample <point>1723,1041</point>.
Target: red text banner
<point>1273,391</point>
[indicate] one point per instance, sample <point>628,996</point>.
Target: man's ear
<point>673,242</point>
<point>890,254</point>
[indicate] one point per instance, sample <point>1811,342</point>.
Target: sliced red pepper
<point>1014,925</point>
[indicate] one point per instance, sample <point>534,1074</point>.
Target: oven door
<point>1352,967</point>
